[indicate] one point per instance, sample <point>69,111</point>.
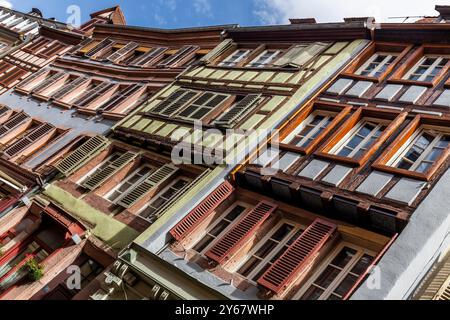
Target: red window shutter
<point>206,207</point>
<point>230,242</point>
<point>277,277</point>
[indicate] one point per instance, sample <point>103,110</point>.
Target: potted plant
<point>34,269</point>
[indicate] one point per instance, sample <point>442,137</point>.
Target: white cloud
<point>203,7</point>
<point>5,3</point>
<point>279,11</point>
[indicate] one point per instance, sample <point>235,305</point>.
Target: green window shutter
<point>300,55</point>
<point>101,176</point>
<point>178,195</point>
<point>238,111</point>
<point>154,180</point>
<point>217,51</point>
<point>81,155</point>
<point>177,105</point>
<point>168,101</point>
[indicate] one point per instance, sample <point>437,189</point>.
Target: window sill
<point>405,173</point>
<point>413,82</point>
<point>345,160</point>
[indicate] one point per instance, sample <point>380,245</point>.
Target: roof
<point>117,16</point>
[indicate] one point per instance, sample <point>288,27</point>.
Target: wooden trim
<point>342,110</point>
<point>396,117</point>
<point>414,58</point>
<point>398,48</point>
<point>381,162</point>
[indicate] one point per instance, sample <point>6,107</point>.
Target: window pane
<point>327,277</point>
<point>313,293</point>
<point>346,284</point>
<point>266,249</point>
<point>282,232</point>
<point>199,247</point>
<point>362,264</point>
<point>249,266</point>
<point>343,257</point>
<point>222,225</point>
<point>234,213</point>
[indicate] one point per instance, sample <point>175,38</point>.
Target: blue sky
<point>185,13</point>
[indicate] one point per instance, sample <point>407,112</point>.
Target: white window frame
<point>218,220</point>
<point>91,172</point>
<point>295,133</point>
<point>159,194</point>
<point>378,123</point>
<point>296,227</point>
<point>386,61</point>
<point>265,62</point>
<point>230,62</point>
<point>430,69</point>
<point>400,154</point>
<point>344,271</point>
<point>110,193</point>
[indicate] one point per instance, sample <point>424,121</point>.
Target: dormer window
<point>235,58</point>
<point>264,59</point>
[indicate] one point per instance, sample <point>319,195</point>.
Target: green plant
<point>35,270</point>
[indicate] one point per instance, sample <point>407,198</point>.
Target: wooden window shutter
<point>81,45</point>
<point>121,96</point>
<point>104,44</point>
<point>177,105</point>
<point>81,155</point>
<point>122,52</point>
<point>101,176</point>
<point>297,257</point>
<point>48,82</point>
<point>93,94</point>
<point>444,291</point>
<point>54,48</point>
<point>33,77</point>
<point>231,242</point>
<point>238,111</point>
<point>13,123</point>
<point>68,88</point>
<point>217,51</point>
<point>3,109</point>
<point>301,55</point>
<point>9,78</point>
<point>25,142</point>
<point>149,57</point>
<point>153,181</point>
<point>4,66</point>
<point>181,193</point>
<point>169,100</point>
<point>200,212</point>
<point>37,45</point>
<point>176,58</point>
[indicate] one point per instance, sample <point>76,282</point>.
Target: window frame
<point>400,50</point>
<point>340,110</point>
<point>225,62</point>
<point>210,114</point>
<point>274,252</point>
<point>267,62</point>
<point>401,142</point>
<point>411,62</point>
<point>361,251</point>
<point>395,118</point>
<point>248,207</point>
<point>115,188</point>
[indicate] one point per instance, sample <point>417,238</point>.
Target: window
<point>359,139</point>
<point>336,277</point>
<point>269,250</point>
<point>235,58</point>
<point>309,129</point>
<point>89,271</point>
<point>101,166</point>
<point>202,106</point>
<point>264,59</point>
<point>427,68</point>
<point>422,151</point>
<point>219,227</point>
<point>376,65</point>
<point>163,198</point>
<point>134,179</point>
